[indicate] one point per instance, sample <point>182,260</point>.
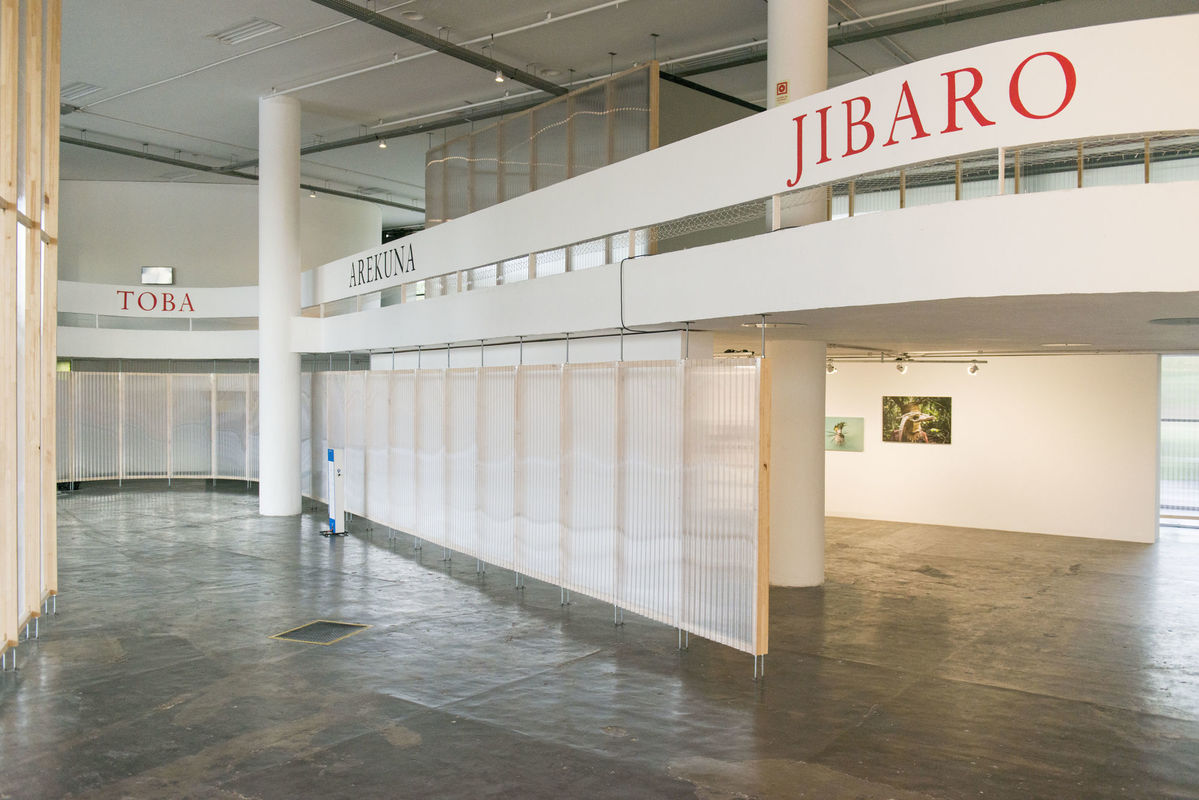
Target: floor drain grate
<point>322,631</point>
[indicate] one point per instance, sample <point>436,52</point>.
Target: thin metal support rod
<point>416,545</point>
<point>617,615</point>
<point>445,553</point>
<point>36,633</point>
<point>565,597</point>
<point>759,667</point>
<point>763,336</point>
<point>54,609</point>
<point>687,340</point>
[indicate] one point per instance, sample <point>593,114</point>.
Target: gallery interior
<point>599,398</point>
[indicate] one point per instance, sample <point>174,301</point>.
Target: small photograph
<point>845,433</point>
<point>917,420</point>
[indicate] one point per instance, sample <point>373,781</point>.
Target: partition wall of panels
<point>29,113</point>
<point>642,484</point>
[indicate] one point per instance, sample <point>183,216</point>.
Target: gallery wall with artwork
<point>1064,445</point>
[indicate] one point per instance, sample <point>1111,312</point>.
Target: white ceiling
<point>170,89</point>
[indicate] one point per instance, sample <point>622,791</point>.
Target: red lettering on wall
<point>823,112</point>
<point>861,122</point>
<point>168,301</point>
<point>905,97</point>
<point>1071,84</point>
<point>967,99</point>
<point>141,301</point>
<point>125,299</point>
<point>798,151</point>
<point>186,305</point>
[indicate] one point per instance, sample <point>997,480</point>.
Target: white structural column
<point>796,66</point>
<point>797,49</point>
<point>797,56</point>
<point>278,303</point>
<point>797,463</point>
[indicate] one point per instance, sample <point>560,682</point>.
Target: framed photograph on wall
<point>845,433</point>
<point>918,420</point>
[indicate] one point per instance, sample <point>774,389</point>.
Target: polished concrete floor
<point>935,663</point>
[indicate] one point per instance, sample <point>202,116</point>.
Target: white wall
<point>1059,445</point>
<point>208,232</point>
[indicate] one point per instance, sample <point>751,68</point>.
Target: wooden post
<point>50,302</point>
<point>957,179</point>
<point>1146,159</point>
<point>762,611</point>
<point>1080,165</point>
<point>903,188</point>
<point>9,50</point>
<point>852,187</point>
<point>31,370</point>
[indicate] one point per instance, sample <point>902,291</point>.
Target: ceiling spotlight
<point>830,368</point>
<point>499,76</point>
<point>413,16</point>
<point>973,369</point>
<point>901,368</point>
<point>312,193</point>
<point>382,144</point>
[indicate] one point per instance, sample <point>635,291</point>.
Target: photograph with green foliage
<point>917,420</point>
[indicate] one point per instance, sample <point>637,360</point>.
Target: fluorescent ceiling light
<point>161,276</point>
<point>245,31</point>
<point>76,91</point>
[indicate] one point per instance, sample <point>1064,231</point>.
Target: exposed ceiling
<point>168,88</point>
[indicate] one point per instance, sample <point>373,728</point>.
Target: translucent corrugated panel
<point>461,459</point>
<point>231,419</point>
<point>429,409</point>
<point>635,483</point>
<point>1180,436</point>
<point>630,115</point>
<point>591,454</point>
<point>305,435</point>
<point>144,417</point>
<point>354,466</point>
<point>651,441</point>
<point>539,472</point>
<point>252,438</point>
<point>720,501</point>
<point>191,426</point>
<point>64,429</point>
<point>377,472</point>
<point>496,453</point>
<point>403,450</point>
<point>320,436</point>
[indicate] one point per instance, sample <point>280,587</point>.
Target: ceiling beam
<point>418,36</point>
<point>224,171</point>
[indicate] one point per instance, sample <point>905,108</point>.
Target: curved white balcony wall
<point>208,232</point>
<point>1124,78</point>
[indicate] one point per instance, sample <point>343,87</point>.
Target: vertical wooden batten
<point>31,368</point>
<point>9,53</point>
<point>50,301</point>
<point>762,611</point>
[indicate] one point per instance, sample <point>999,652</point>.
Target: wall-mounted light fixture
<point>382,144</point>
<point>830,368</point>
<point>901,368</point>
<point>973,369</point>
<point>158,276</point>
<point>499,76</point>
